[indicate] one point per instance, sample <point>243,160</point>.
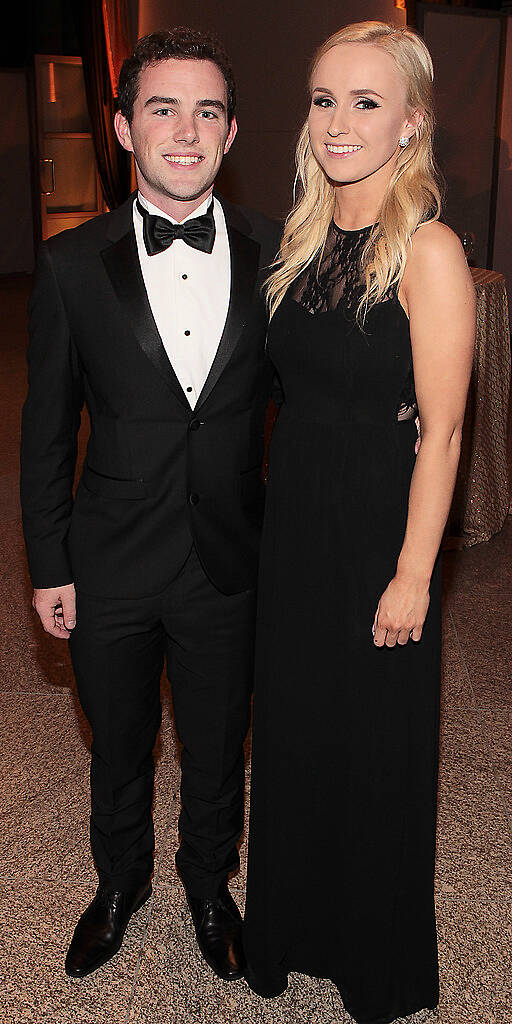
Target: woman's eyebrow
<point>371,92</point>
<point>353,92</point>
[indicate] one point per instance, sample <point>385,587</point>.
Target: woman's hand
<point>401,612</point>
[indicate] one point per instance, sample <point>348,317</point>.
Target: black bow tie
<point>159,233</point>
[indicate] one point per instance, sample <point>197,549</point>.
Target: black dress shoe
<point>218,928</point>
<point>100,931</point>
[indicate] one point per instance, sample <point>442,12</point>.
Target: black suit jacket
<point>158,476</point>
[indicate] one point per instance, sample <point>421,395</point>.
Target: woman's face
<point>358,112</point>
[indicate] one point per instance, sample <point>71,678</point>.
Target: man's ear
<point>122,130</point>
<point>233,128</point>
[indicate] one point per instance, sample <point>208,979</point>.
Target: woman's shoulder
<point>436,267</point>
<point>435,255</point>
<point>434,244</point>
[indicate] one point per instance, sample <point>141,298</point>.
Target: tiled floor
<point>158,976</point>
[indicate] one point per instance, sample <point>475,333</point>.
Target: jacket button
<point>195,424</point>
<point>193,498</point>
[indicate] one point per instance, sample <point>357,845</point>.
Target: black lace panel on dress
<point>337,284</point>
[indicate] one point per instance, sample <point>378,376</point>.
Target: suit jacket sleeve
<point>50,422</point>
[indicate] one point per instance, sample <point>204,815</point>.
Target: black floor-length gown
<point>345,741</point>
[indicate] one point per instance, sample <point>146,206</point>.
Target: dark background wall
<point>16,240</point>
<point>502,259</point>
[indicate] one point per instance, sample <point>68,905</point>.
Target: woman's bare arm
<point>438,294</point>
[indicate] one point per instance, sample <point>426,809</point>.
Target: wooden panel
<point>62,221</point>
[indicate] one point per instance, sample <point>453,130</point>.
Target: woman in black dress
<point>372,318</point>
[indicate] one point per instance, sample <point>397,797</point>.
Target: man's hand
<point>56,607</point>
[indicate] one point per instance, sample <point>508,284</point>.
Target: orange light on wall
<point>401,4</point>
<point>51,82</point>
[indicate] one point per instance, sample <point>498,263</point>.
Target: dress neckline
<point>351,231</point>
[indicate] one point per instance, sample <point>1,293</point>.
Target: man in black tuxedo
<point>152,315</point>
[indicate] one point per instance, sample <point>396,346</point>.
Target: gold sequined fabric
<point>482,498</point>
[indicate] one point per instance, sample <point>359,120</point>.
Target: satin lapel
<point>244,269</point>
<point>123,268</point>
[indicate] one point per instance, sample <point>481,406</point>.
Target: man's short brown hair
<point>178,44</point>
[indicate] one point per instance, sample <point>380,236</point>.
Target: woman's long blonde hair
<point>413,195</point>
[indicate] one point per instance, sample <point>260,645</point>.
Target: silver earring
<point>403,141</point>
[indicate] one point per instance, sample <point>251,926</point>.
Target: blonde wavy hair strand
<point>413,195</point>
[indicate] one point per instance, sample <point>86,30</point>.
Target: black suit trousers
<point>118,649</point>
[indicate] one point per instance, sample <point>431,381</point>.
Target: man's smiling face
<point>179,132</point>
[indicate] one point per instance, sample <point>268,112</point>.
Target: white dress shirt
<point>188,291</point>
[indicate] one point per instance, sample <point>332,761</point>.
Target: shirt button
<point>189,390</point>
<point>193,498</point>
<point>184,277</point>
<point>186,333</point>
